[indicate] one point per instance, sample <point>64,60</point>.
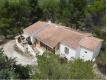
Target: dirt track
<point>21,59</point>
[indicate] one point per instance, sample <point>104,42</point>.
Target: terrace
<point>26,46</point>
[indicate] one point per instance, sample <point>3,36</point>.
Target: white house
<point>61,40</point>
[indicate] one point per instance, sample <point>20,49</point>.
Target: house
<point>61,40</point>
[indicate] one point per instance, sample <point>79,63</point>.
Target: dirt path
<point>99,75</point>
<point>21,59</point>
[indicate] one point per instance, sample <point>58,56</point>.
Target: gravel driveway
<point>21,59</point>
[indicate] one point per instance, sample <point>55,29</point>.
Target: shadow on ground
<point>102,68</point>
<point>4,40</point>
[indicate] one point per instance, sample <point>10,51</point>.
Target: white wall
<point>97,51</point>
<point>32,39</point>
<point>86,56</point>
<point>31,50</point>
<point>78,52</point>
<point>25,48</point>
<point>25,35</point>
<point>72,52</point>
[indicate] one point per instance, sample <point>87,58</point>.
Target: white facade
<point>33,45</point>
<point>86,54</point>
<point>25,48</point>
<point>97,51</point>
<point>30,49</point>
<point>80,52</point>
<point>72,52</point>
<point>32,39</point>
<point>25,35</point>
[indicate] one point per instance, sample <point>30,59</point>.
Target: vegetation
<point>51,67</point>
<point>9,69</point>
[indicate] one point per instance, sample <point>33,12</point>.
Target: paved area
<point>21,59</point>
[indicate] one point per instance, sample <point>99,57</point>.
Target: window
<point>72,58</point>
<point>66,50</point>
<point>29,40</point>
<point>85,51</point>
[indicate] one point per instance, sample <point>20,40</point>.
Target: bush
<point>51,67</point>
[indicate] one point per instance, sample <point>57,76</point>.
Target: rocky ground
<point>11,52</point>
<point>99,75</point>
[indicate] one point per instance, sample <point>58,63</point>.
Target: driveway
<point>21,59</point>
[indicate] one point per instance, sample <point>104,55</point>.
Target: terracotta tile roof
<point>54,34</point>
<point>51,36</point>
<point>90,42</point>
<point>31,29</point>
<point>72,41</point>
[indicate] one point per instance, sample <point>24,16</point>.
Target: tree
<point>97,10</point>
<point>13,17</point>
<point>4,26</point>
<point>72,13</point>
<point>9,69</point>
<point>49,8</point>
<point>82,70</point>
<point>22,72</point>
<point>36,13</point>
<point>50,66</point>
<point>6,66</point>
